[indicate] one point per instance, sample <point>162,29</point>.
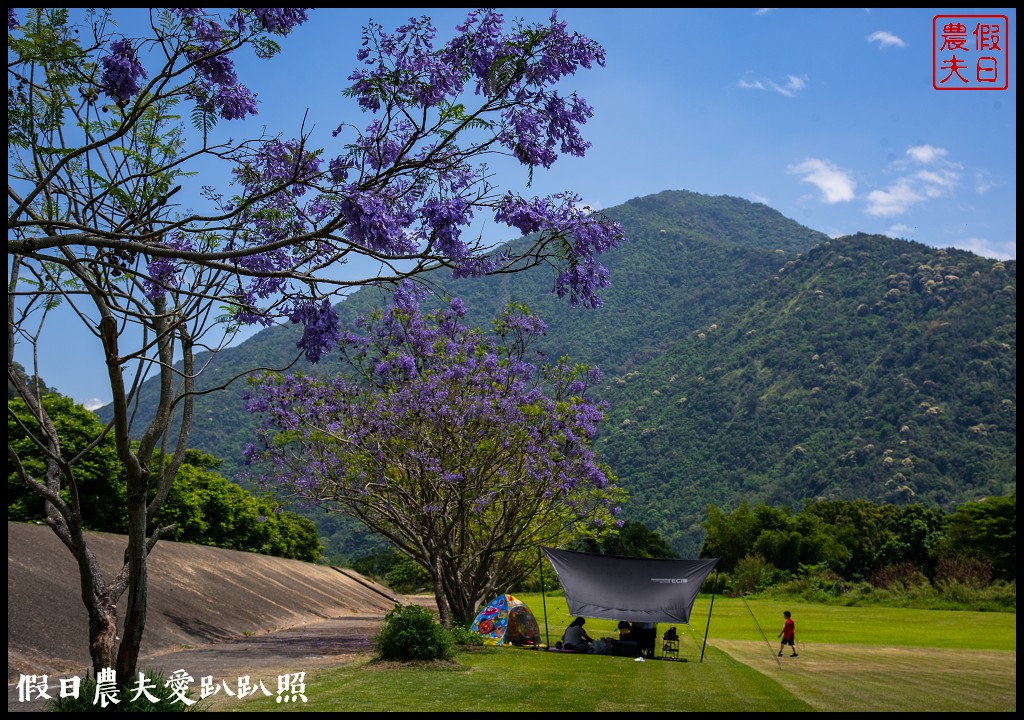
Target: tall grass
<point>945,594</point>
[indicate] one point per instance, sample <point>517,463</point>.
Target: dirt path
<point>259,658</point>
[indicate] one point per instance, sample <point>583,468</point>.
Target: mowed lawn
<point>851,659</point>
<point>877,658</point>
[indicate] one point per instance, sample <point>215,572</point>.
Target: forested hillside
<point>748,357</point>
<point>868,368</point>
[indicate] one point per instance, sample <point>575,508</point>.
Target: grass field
<point>851,659</point>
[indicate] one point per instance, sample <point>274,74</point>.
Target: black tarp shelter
<point>644,590</point>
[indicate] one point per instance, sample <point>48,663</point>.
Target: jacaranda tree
<point>450,442</point>
<point>112,220</point>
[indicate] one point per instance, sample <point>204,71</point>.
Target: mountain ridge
<point>734,301</point>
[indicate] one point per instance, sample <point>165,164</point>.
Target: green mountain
<point>867,368</point>
<point>746,357</point>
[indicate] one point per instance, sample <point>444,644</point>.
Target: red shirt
<point>789,629</point>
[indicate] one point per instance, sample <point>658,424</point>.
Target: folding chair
<point>670,645</point>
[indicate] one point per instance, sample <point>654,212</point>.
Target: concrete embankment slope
<point>198,595</point>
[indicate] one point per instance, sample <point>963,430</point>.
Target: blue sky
<point>827,115</point>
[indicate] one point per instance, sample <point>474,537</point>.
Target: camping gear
<point>641,590</point>
<point>644,591</point>
<point>506,620</point>
<point>624,648</point>
<point>670,644</point>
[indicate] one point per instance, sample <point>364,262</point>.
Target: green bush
<point>410,632</point>
<point>406,576</point>
<point>128,700</point>
<point>820,585</point>
<point>752,574</point>
<point>463,636</point>
<point>716,584</point>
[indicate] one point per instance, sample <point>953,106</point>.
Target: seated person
<point>575,637</point>
<point>626,630</point>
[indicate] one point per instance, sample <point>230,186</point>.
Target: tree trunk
<point>443,611</point>
<point>102,638</point>
<point>138,581</point>
<point>99,597</point>
<point>100,601</point>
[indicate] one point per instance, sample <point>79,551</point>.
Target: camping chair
<point>670,644</point>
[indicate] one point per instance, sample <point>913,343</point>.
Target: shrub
<point>166,701</point>
<point>406,576</point>
<point>753,573</point>
<point>819,585</point>
<point>1000,596</point>
<point>964,570</point>
<point>410,632</point>
<point>898,576</point>
<point>463,636</point>
<point>717,584</point>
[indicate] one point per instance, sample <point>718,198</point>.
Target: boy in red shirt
<point>788,634</point>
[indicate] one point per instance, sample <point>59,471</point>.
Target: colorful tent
<point>506,620</point>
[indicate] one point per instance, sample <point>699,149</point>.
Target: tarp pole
<point>766,640</point>
<point>709,615</point>
<point>543,598</point>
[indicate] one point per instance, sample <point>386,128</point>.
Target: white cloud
<point>893,201</point>
<point>899,230</point>
<point>835,183</point>
<point>986,248</point>
<point>885,39</point>
<point>93,404</point>
<point>764,11</point>
<point>983,182</point>
<point>759,198</point>
<point>791,87</point>
<point>936,183</point>
<point>938,179</point>
<point>926,154</point>
<point>978,246</point>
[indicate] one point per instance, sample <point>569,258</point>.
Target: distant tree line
<point>207,508</point>
<point>860,541</point>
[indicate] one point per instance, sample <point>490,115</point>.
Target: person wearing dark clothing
<point>625,630</point>
<point>646,636</point>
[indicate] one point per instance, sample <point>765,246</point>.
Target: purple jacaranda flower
<point>235,102</point>
<point>12,19</point>
<point>446,407</point>
<point>321,330</point>
<point>217,69</point>
<point>187,13</point>
<point>281,20</point>
<point>162,274</point>
<point>121,72</point>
